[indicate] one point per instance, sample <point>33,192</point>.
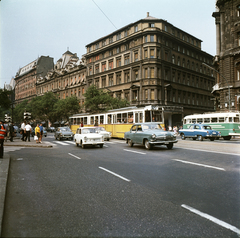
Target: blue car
<point>199,131</point>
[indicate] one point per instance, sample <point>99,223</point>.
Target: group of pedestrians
<point>26,131</point>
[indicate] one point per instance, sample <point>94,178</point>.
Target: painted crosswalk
<point>65,143</point>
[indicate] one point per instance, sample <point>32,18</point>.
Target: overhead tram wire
<point>104,14</point>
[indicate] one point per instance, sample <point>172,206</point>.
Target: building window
<point>151,72</point>
<point>152,94</point>
<point>110,65</point>
<point>119,78</point>
<point>238,10</point>
<point>173,59</point>
<point>103,42</point>
<point>126,33</point>
<point>97,68</point>
<point>104,67</point>
<point>135,28</point>
<point>118,36</point>
<point>145,54</point>
<point>104,82</point>
<point>118,62</point>
<point>126,77</point>
<point>111,40</point>
<point>151,24</point>
<point>151,38</point>
<point>146,39</point>
<point>136,56</point>
<point>146,73</point>
<point>90,72</point>
<point>111,80</point>
<point>152,53</point>
<point>126,59</point>
<point>97,46</point>
<point>136,74</point>
<point>146,94</point>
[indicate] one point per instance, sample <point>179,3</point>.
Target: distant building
<point>152,62</point>
<point>227,59</point>
<point>67,78</point>
<point>27,76</point>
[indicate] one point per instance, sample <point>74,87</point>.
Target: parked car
<point>106,134</point>
<point>63,133</point>
<point>198,132</point>
<point>88,136</point>
<point>149,134</point>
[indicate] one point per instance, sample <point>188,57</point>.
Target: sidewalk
<point>4,167</point>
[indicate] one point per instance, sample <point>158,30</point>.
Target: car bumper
<point>163,142</point>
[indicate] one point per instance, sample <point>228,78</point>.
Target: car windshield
<point>88,130</point>
<point>100,129</point>
<point>207,127</point>
<point>151,127</point>
<point>65,129</point>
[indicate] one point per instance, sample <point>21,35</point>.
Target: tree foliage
<point>98,100</point>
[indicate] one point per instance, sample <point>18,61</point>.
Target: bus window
<point>188,121</point>
<point>214,119</point>
<point>236,119</point>
<point>147,116</point>
<point>92,120</point>
<point>130,117</point>
<point>206,120</point>
<point>101,119</point>
<point>221,119</point>
<point>194,120</point>
<point>200,120</point>
<point>230,119</point>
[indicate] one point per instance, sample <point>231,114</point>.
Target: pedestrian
<point>7,131</point>
<point>28,130</point>
<point>41,132</point>
<point>2,134</point>
<point>37,133</point>
<point>11,131</point>
<point>22,131</point>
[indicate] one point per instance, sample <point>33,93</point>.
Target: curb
<point>4,168</point>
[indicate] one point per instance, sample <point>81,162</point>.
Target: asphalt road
<point>120,191</point>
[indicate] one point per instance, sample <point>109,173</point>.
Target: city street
<point>120,191</point>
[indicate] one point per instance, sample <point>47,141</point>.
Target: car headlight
<point>153,136</point>
<point>85,139</point>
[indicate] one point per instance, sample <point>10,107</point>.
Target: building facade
<point>27,76</point>
<point>68,78</point>
<point>227,59</point>
<point>152,62</point>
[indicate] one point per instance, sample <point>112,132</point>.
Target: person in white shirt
<point>23,130</point>
<point>28,130</point>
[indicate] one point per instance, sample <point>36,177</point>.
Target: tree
<point>97,100</point>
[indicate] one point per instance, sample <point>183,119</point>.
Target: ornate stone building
<point>227,59</point>
<point>152,62</point>
<point>27,76</point>
<point>68,78</point>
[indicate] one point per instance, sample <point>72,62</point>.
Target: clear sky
<point>32,28</point>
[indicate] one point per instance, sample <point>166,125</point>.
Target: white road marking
<point>203,165</point>
<point>135,151</point>
<point>213,219</point>
<point>61,143</point>
<point>74,156</point>
<point>117,175</point>
<point>70,142</point>
<point>209,151</point>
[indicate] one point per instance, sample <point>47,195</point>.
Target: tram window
<point>91,120</point>
<point>206,120</point>
<point>214,119</point>
<point>136,117</point>
<point>147,116</point>
<point>96,121</point>
<point>221,119</point>
<point>236,119</point>
<point>199,120</point>
<point>101,119</point>
<point>78,121</point>
<point>109,119</point>
<point>156,116</point>
<point>85,120</point>
<point>124,118</point>
<point>130,117</point>
<point>140,117</point>
<point>119,118</point>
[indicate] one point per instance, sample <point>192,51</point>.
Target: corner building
<point>227,59</point>
<point>152,62</point>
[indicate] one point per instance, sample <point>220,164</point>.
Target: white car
<point>88,136</point>
<point>102,131</point>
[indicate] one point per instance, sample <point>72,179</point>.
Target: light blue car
<point>199,131</point>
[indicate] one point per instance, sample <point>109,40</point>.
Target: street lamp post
<point>229,96</point>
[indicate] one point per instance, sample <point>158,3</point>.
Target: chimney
<point>147,14</point>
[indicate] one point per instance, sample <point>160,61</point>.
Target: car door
<point>133,133</point>
<point>138,135</point>
<point>189,132</point>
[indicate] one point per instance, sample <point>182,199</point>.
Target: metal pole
<point>229,100</point>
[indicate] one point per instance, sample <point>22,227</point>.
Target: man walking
<point>2,134</point>
<point>28,129</point>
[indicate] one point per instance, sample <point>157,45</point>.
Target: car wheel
<point>200,138</point>
<point>130,143</point>
<point>101,146</point>
<point>183,136</point>
<point>147,145</point>
<point>83,146</point>
<point>170,146</point>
